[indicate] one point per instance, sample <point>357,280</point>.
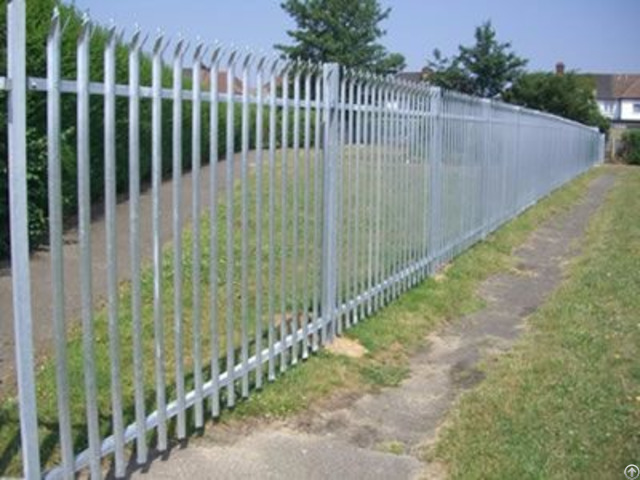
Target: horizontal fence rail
<point>301,199</point>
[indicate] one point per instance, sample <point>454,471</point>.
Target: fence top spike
<point>274,65</point>
<point>216,53</point>
<point>261,61</point>
<point>135,43</point>
<point>233,53</point>
<point>112,32</point>
<point>179,48</point>
<point>330,73</point>
<point>248,55</point>
<point>55,22</point>
<point>198,51</point>
<point>144,40</point>
<point>85,28</point>
<point>158,46</point>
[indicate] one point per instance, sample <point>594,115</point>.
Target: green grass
<point>392,334</point>
<point>565,403</point>
<point>394,447</point>
<point>389,336</point>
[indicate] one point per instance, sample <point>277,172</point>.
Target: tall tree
<point>343,31</point>
<point>485,69</point>
<point>569,95</point>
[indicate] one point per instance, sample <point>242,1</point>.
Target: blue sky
<point>588,35</point>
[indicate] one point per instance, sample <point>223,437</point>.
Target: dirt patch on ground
<point>441,274</point>
<point>347,347</point>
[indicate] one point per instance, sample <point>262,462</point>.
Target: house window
<point>636,108</point>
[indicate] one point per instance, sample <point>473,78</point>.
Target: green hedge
<point>38,22</point>
<point>631,147</point>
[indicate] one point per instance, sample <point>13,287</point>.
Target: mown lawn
<point>565,403</point>
<point>389,336</point>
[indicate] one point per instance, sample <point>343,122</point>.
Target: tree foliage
<point>343,31</point>
<point>485,69</point>
<point>569,95</point>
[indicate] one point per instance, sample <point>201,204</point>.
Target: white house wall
<point>609,108</point>
<point>630,109</point>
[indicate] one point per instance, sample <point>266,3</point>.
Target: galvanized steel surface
<point>352,188</point>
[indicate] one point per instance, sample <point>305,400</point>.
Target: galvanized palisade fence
<point>348,189</point>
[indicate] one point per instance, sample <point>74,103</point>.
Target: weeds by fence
<point>356,188</point>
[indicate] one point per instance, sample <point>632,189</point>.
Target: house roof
<point>205,76</point>
<point>617,85</point>
<point>410,76</point>
<point>418,76</point>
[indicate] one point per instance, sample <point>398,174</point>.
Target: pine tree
<point>342,31</point>
<point>485,69</point>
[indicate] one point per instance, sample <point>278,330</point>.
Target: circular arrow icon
<point>632,472</point>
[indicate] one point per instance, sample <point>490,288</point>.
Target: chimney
<point>559,68</point>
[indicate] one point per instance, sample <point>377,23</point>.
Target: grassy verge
<point>392,334</point>
<point>389,336</point>
<point>565,403</point>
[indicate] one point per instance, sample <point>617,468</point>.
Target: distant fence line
<point>359,187</point>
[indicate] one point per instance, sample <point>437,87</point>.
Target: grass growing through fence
<point>46,384</point>
<point>392,334</point>
<point>389,336</point>
<point>565,403</point>
<point>300,276</point>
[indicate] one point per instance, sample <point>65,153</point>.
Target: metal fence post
<point>16,71</point>
<point>435,180</point>
<point>485,162</point>
<point>486,221</point>
<point>330,76</point>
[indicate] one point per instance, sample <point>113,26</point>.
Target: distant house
<point>618,97</point>
<point>416,77</point>
<point>205,78</point>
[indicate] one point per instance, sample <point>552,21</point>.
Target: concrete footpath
<point>355,438</point>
